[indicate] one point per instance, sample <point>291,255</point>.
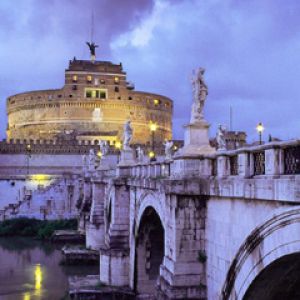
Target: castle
<point>93,105</point>
<point>50,131</point>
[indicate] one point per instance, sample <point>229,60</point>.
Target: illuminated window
<point>95,93</point>
<point>156,102</point>
<point>88,94</point>
<point>89,78</point>
<point>74,78</point>
<point>117,80</point>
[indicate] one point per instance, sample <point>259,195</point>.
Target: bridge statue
<point>84,162</point>
<point>128,155</point>
<point>92,160</point>
<point>104,147</point>
<point>168,150</point>
<point>140,154</point>
<point>127,135</point>
<point>221,138</point>
<point>200,92</point>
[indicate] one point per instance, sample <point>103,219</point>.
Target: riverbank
<point>41,229</point>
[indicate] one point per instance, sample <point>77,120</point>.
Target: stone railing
<point>154,170</point>
<point>277,158</point>
<point>272,159</point>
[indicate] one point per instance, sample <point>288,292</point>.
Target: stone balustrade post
<point>272,161</point>
<point>251,164</point>
<point>223,166</point>
<point>244,164</point>
<point>152,170</point>
<point>206,167</point>
<point>157,170</point>
<point>133,171</point>
<point>281,161</point>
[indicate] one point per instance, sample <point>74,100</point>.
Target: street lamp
<point>260,128</point>
<point>153,128</point>
<point>99,154</point>
<point>118,146</point>
<point>28,151</point>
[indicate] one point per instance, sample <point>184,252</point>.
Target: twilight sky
<point>250,49</point>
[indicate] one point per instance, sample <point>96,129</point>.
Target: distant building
<point>93,105</point>
<point>233,140</point>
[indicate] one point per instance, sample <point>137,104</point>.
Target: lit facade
<point>93,105</point>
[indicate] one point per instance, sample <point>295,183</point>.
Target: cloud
<point>39,37</point>
<point>248,48</point>
<point>142,34</point>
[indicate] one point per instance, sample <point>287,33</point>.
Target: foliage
<point>202,256</point>
<point>41,229</point>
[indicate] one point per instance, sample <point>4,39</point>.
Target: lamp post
<point>260,128</point>
<point>28,152</point>
<point>118,146</point>
<point>153,128</point>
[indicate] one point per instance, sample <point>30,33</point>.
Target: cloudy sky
<point>250,49</point>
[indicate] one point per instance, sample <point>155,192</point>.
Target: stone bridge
<point>221,226</point>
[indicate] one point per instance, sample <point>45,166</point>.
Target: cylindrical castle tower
<point>94,104</point>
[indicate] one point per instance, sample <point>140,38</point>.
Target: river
<point>31,270</point>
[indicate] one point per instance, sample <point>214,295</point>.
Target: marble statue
<point>168,149</point>
<point>84,162</point>
<point>140,154</point>
<point>92,160</point>
<point>127,135</point>
<point>221,138</point>
<point>200,92</point>
<point>104,148</point>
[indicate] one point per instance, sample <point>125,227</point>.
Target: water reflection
<point>26,296</point>
<point>31,270</point>
<point>38,276</point>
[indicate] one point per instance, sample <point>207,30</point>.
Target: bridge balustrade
<point>233,162</point>
<point>214,167</point>
<point>259,163</point>
<point>292,160</point>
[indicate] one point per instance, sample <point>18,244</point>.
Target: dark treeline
<point>41,229</point>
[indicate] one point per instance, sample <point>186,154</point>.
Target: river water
<point>31,270</point>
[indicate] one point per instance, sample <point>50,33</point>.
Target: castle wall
<point>10,190</point>
<point>48,163</point>
<point>95,102</point>
<point>22,164</point>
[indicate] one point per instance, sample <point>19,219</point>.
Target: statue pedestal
<point>196,141</point>
<point>127,157</point>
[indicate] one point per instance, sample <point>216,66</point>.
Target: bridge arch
<point>147,199</point>
<point>271,244</point>
<point>149,249</point>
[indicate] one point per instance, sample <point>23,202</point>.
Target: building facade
<point>93,105</point>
